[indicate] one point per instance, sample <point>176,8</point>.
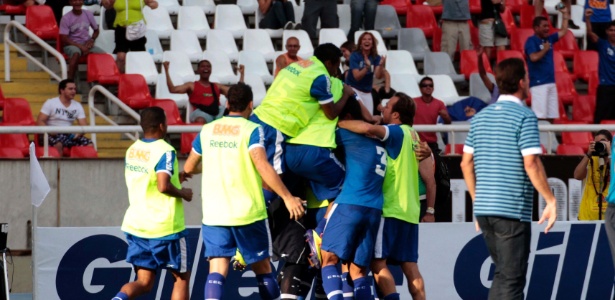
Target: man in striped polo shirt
<point>500,175</point>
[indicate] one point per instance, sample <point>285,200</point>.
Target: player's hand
<point>348,90</point>
<point>89,44</point>
<point>241,69</point>
<point>187,194</point>
<point>166,65</point>
<point>295,206</point>
<point>422,151</point>
<point>589,12</point>
<point>428,218</point>
<point>546,46</point>
<point>183,176</point>
<point>550,213</point>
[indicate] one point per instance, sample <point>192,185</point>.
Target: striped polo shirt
<point>500,135</point>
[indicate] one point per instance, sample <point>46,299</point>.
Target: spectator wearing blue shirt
<point>605,105</point>
<point>365,63</point>
<point>539,56</point>
<point>600,20</point>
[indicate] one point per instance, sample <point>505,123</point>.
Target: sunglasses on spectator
<point>426,85</point>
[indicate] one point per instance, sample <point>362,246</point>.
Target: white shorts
<point>366,99</point>
<point>544,101</point>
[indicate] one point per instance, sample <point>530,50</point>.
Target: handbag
<point>498,25</point>
<point>137,29</point>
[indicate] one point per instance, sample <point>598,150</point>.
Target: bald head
<point>292,46</point>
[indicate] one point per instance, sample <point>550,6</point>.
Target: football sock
<point>120,296</point>
<point>346,288</point>
<point>362,289</point>
<point>268,286</point>
<point>332,282</point>
<point>214,286</point>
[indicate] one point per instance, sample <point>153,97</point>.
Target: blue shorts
<point>397,241</point>
<point>253,241</point>
<point>274,144</point>
<point>351,233</point>
<point>154,254</point>
<point>319,166</point>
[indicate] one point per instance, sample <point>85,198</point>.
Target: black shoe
<point>571,25</point>
<point>297,26</point>
<point>289,25</point>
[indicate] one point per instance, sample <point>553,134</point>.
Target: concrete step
<point>17,64</point>
<point>31,86</point>
<point>18,75</point>
<point>111,153</point>
<point>113,144</point>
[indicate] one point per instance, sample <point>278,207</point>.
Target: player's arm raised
<point>361,127</point>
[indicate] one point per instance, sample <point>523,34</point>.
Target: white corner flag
<point>39,187</point>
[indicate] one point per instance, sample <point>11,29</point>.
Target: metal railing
<point>9,43</point>
<point>196,128</point>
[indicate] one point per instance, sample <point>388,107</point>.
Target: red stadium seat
<point>504,54</point>
<point>102,69</point>
<point>53,152</point>
<point>475,7</point>
<point>41,21</point>
<point>83,152</point>
<point>13,9</point>
<point>526,16</point>
<point>421,16</point>
<point>11,153</point>
<point>186,142</point>
<point>518,38</point>
<point>133,91</point>
<point>583,108</point>
<point>468,63</point>
<point>585,63</point>
<point>473,35</point>
<point>561,66</point>
<point>515,5</point>
<point>578,138</point>
<point>567,45</point>
<point>565,88</point>
<point>437,9</point>
<point>592,85</point>
<point>569,150</point>
<point>401,6</point>
<point>171,110</point>
<point>509,20</point>
<point>15,140</point>
<point>17,111</point>
<point>436,41</point>
<point>458,149</point>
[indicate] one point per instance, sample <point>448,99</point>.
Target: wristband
<point>430,210</point>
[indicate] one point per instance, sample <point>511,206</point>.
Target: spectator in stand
<point>600,20</point>
<point>19,2</point>
<point>539,57</point>
<point>493,88</point>
<point>455,27</point>
<point>539,5</point>
<point>56,6</point>
<point>285,59</point>
<point>126,13</point>
<point>347,48</point>
<point>362,12</point>
<point>428,109</point>
<point>486,33</point>
<point>605,106</point>
<point>326,10</point>
<point>75,36</point>
<point>277,14</point>
<point>365,63</point>
<point>63,111</point>
<point>203,95</point>
<point>594,170</point>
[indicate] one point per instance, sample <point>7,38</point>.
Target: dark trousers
<point>508,242</point>
<point>605,103</point>
<point>326,10</point>
<point>278,15</point>
<point>600,30</point>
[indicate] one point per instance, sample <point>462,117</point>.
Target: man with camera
<point>594,171</point>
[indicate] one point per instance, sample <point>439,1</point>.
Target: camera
<point>600,149</point>
<point>560,6</point>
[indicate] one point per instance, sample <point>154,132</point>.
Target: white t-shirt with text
<point>60,115</point>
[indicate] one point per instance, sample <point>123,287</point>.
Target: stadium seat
<point>41,21</point>
<point>343,13</point>
<point>307,50</point>
<point>583,108</point>
<point>400,62</point>
<point>17,111</point>
<point>12,10</point>
<point>179,66</point>
<point>468,63</point>
<point>387,22</point>
<point>473,36</point>
<point>578,138</point>
<point>193,20</point>
<point>567,45</point>
<point>141,62</point>
<point>83,152</point>
<point>560,65</point>
<point>153,46</point>
<point>515,5</point>
<point>475,7</point>
<point>381,46</point>
<point>221,68</point>
<point>436,9</point>
<point>401,6</point>
<point>458,149</point>
<point>298,12</point>
<point>526,16</point>
<point>10,153</point>
<point>509,20</point>
<point>106,40</point>
<point>436,40</point>
<point>162,90</point>
<point>260,41</point>
<point>444,89</point>
<point>258,87</point>
<point>51,152</point>
<point>565,88</point>
<point>172,6</point>
<point>478,88</point>
<point>273,33</point>
<point>585,63</point>
<point>406,85</point>
<point>208,6</point>
<point>504,54</point>
<point>222,40</point>
<point>186,142</point>
<point>171,110</point>
<point>158,21</point>
<point>248,7</point>
<point>577,15</point>
<point>15,140</point>
<point>187,42</point>
<point>102,69</point>
<point>569,150</point>
<point>439,63</point>
<point>133,91</point>
<point>334,36</point>
<point>592,84</point>
<point>255,64</point>
<point>229,17</point>
<point>421,16</point>
<point>549,6</point>
<point>518,38</point>
<point>413,40</point>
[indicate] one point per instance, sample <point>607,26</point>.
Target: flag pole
<point>39,188</point>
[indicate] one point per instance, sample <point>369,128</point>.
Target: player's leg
<point>218,269</point>
<point>140,255</point>
<point>406,252</point>
<point>220,246</point>
<point>385,241</point>
<point>366,235</point>
<point>384,279</point>
<point>347,284</point>
<point>142,285</point>
<point>181,286</point>
<point>416,285</point>
<point>292,280</point>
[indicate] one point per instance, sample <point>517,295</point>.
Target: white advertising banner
<point>573,261</point>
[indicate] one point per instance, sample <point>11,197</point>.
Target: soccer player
<point>398,239</point>
<point>154,221</point>
<point>353,222</point>
<point>234,215</point>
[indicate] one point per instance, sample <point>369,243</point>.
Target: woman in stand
<point>365,63</point>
